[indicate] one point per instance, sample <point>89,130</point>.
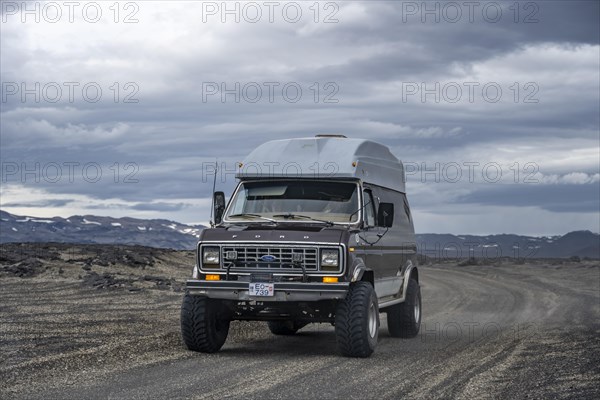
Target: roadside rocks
<point>11,253</point>
<point>24,269</point>
<point>104,281</point>
<point>162,283</point>
<point>105,256</point>
<point>102,267</point>
<point>109,281</point>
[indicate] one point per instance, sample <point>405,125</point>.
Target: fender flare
<point>360,272</point>
<point>410,270</point>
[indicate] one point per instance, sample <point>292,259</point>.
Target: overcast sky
<point>119,110</point>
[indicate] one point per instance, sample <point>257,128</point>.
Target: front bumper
<point>284,291</point>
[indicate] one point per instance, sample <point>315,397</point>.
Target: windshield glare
<point>324,200</point>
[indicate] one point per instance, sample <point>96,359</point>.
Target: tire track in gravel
<point>488,331</point>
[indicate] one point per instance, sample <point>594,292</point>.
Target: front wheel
<point>404,319</point>
<point>201,327</point>
<point>357,321</point>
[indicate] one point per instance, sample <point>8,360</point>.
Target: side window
<point>240,203</point>
<point>369,208</point>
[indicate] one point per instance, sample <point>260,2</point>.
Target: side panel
<point>397,246</point>
<point>366,240</point>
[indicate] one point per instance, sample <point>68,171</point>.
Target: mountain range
<point>102,230</point>
<point>169,234</point>
<point>572,244</point>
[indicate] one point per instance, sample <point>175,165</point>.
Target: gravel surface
<point>96,321</point>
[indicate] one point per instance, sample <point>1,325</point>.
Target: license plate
<point>262,289</point>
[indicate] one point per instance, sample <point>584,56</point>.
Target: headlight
<point>211,256</point>
<point>330,258</point>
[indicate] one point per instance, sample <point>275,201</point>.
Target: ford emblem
<point>268,258</point>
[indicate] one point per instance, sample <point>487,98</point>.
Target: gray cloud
<point>555,198</point>
<point>38,204</point>
<point>153,154</point>
<point>159,206</point>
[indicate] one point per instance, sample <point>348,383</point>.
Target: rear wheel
<point>202,328</point>
<point>404,319</point>
<point>285,327</point>
<point>357,321</point>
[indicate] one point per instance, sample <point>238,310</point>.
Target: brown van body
<point>309,267</point>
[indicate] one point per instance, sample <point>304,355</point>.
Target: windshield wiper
<point>294,216</point>
<point>245,215</point>
<point>360,208</point>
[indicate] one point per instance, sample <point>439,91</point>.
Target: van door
<point>367,239</point>
<point>393,246</point>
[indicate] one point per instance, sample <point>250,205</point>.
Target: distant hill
<point>169,234</point>
<point>578,243</point>
<point>103,230</point>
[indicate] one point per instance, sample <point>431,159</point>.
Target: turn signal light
<point>330,279</point>
<point>213,277</point>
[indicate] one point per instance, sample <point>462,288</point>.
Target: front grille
<point>285,258</point>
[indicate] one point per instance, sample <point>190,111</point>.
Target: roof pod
<point>325,157</point>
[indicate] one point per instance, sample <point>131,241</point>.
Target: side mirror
<point>219,206</point>
<point>385,215</point>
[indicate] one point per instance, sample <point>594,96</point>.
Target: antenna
<point>212,207</point>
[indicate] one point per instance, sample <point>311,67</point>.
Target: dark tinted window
<point>369,208</point>
<point>333,201</point>
<point>401,208</point>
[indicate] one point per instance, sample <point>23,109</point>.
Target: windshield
<point>295,200</point>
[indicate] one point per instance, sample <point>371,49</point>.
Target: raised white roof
<point>325,157</point>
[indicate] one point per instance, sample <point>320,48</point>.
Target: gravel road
<point>489,331</point>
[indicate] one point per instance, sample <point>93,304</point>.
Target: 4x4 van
<point>317,230</point>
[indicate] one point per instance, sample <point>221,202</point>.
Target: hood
<point>329,235</point>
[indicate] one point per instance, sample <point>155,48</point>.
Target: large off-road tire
<point>404,319</point>
<point>285,327</point>
<point>357,321</point>
<point>201,327</point>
